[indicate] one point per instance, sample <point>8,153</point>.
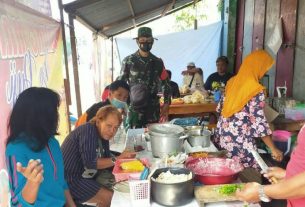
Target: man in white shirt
<point>192,76</point>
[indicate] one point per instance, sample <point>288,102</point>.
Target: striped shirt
<point>81,150</point>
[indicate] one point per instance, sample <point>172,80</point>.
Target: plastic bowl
<point>212,171</point>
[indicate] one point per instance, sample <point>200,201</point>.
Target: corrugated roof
<point>111,17</point>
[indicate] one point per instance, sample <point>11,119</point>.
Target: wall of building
<point>255,21</point>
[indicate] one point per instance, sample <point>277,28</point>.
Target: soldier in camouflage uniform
<point>144,72</point>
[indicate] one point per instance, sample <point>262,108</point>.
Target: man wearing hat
<point>192,76</point>
<point>144,72</point>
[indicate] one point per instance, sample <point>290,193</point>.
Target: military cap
<point>144,32</point>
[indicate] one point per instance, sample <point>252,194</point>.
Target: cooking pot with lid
<point>166,139</point>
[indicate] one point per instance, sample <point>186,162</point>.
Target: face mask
<point>145,46</point>
<point>118,104</point>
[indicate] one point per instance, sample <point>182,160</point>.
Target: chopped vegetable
<point>229,189</point>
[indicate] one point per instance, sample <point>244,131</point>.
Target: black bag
<point>139,96</point>
<point>139,92</point>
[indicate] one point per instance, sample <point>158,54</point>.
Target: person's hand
<point>126,154</point>
<point>164,112</point>
<point>277,154</point>
<point>275,172</point>
<point>248,193</point>
<point>33,172</point>
<point>185,72</point>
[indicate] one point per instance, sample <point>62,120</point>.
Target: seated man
<point>118,95</point>
<point>175,93</point>
<point>193,77</point>
<point>221,76</point>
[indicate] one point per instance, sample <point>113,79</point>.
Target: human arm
<point>291,188</point>
<point>69,199</point>
<point>166,92</point>
<point>33,173</point>
<point>275,152</point>
<point>103,163</point>
<point>259,125</point>
<point>24,191</point>
<point>275,172</point>
<point>125,70</point>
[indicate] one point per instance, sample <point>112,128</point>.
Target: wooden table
<point>185,110</point>
<point>287,124</point>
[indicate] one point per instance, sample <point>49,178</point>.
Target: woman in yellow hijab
<point>242,118</point>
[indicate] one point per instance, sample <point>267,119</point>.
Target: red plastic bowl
<point>212,171</point>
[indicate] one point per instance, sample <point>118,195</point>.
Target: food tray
<point>121,175</point>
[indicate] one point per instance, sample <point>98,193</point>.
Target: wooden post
<point>67,80</point>
<point>75,65</point>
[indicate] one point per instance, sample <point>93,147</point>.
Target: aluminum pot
<point>166,139</point>
<point>165,130</point>
<point>199,137</point>
<point>172,194</point>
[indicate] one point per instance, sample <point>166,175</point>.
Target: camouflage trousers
<point>137,119</point>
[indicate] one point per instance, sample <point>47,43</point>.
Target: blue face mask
<point>118,104</point>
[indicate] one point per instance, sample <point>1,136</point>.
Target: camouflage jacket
<point>149,70</point>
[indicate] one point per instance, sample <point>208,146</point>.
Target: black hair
<point>34,117</point>
<point>169,73</point>
<point>222,59</point>
<point>118,84</point>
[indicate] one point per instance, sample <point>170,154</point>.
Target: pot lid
<point>165,128</point>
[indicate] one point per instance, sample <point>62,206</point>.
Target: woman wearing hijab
<point>242,120</point>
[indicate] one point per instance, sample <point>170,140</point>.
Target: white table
<point>123,199</point>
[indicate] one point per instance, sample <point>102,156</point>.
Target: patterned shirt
<point>237,134</point>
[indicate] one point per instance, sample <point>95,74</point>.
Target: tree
<point>186,18</point>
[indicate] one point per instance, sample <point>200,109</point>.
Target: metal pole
<point>67,81</point>
<point>75,65</point>
<point>112,64</point>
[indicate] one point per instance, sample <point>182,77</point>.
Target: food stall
<point>122,197</point>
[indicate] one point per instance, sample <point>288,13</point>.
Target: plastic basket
<point>140,192</point>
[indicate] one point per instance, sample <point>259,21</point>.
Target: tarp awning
<point>111,17</point>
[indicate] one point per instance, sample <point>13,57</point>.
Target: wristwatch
<point>261,194</point>
<point>113,159</point>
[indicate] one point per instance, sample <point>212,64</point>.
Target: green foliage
<point>220,5</point>
<point>186,17</point>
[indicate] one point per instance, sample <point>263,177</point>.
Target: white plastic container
<point>140,193</point>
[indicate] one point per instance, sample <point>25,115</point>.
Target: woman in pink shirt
<point>291,185</point>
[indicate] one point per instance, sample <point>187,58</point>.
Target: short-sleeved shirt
<point>215,77</point>
<point>81,150</point>
<point>237,134</point>
<point>296,165</point>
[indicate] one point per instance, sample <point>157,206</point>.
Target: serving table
<point>120,199</point>
<point>186,110</point>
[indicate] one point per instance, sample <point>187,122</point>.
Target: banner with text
<point>30,55</point>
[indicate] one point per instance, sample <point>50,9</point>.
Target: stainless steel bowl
<point>172,194</point>
<point>199,137</point>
